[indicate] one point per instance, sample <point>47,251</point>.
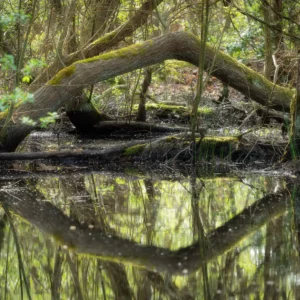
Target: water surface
<point>119,236</point>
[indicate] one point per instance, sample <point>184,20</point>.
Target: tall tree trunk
<point>268,39</point>
<point>141,115</point>
<point>277,6</point>
<point>97,20</point>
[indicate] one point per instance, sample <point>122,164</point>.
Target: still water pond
<point>119,236</point>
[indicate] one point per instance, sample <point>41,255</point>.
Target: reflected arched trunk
<point>183,261</point>
<point>85,212</point>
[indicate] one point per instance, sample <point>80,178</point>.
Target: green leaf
<point>26,79</point>
<point>7,62</point>
<point>51,118</point>
<point>28,121</point>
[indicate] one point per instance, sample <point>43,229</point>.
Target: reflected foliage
<point>114,236</point>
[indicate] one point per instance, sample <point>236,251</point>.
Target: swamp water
<point>103,235</point>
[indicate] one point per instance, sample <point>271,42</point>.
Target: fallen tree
<point>70,81</point>
<point>171,150</point>
<point>162,149</point>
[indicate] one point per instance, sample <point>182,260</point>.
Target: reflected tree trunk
<point>200,233</point>
<point>57,275</point>
<point>296,210</point>
<point>93,213</point>
<point>72,265</point>
<point>2,231</point>
<point>84,240</point>
<point>268,279</point>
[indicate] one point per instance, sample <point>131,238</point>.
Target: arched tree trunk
<point>180,45</point>
<point>50,220</point>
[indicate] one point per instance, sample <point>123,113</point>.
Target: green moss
<point>65,72</point>
<point>134,149</point>
<point>175,108</point>
<point>216,146</point>
<point>252,76</point>
<point>139,48</point>
<point>165,106</point>
<point>105,39</point>
<point>220,139</point>
<point>208,139</point>
<point>178,64</point>
<point>3,114</point>
<point>205,110</point>
<point>171,138</point>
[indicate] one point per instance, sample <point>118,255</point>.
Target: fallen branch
<point>108,127</point>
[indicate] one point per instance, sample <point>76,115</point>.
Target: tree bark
<point>141,114</point>
<point>268,40</point>
<point>180,45</point>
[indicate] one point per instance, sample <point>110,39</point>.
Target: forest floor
<point>168,105</point>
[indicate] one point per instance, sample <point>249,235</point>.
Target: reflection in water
<point>105,236</point>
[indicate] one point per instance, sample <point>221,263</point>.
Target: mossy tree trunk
<point>295,116</point>
<point>93,30</point>
<point>68,82</point>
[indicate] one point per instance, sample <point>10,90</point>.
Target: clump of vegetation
<point>134,150</point>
